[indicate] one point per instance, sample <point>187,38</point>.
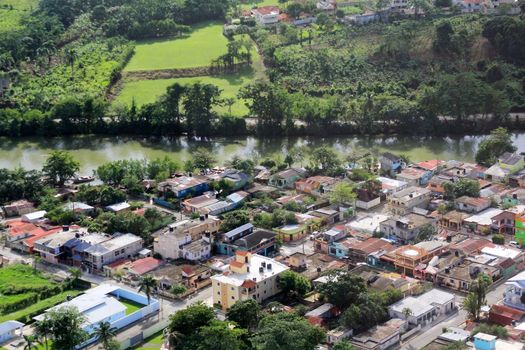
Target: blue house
<point>390,163</point>
<point>483,341</point>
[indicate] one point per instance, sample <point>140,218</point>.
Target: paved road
<point>426,336</point>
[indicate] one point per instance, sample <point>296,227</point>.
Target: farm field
<point>204,44</point>
<point>148,91</point>
<point>12,11</point>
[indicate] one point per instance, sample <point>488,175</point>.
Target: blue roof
<point>238,230</point>
<point>9,326</point>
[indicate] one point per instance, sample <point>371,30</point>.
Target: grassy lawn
<point>12,11</point>
<point>130,305</point>
<point>248,4</point>
<point>152,343</point>
<point>39,306</point>
<point>22,277</point>
<point>204,44</point>
<point>147,91</point>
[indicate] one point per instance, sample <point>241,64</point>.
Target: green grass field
<point>147,91</point>
<point>204,44</point>
<point>131,306</point>
<point>22,277</point>
<point>152,343</point>
<point>12,11</point>
<point>251,3</point>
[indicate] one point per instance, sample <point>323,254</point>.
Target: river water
<point>91,151</point>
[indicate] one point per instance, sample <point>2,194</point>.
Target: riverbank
<point>91,151</point>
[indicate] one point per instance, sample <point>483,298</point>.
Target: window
<point>122,250</point>
<point>233,297</point>
<point>218,293</point>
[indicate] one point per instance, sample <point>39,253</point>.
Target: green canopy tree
<point>66,328</point>
<point>59,167</point>
<point>245,313</point>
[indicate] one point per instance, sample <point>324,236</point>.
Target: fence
<point>148,332</point>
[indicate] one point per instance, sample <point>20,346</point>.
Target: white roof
<point>256,260</point>
<point>95,305</point>
<point>368,223</point>
<point>485,217</point>
<point>501,251</point>
<point>77,206</point>
<point>35,215</point>
<point>436,296</point>
<point>418,307</point>
<point>485,336</point>
<point>507,345</point>
<point>391,183</point>
<point>118,206</point>
<point>497,171</point>
<point>9,326</point>
<point>113,244</point>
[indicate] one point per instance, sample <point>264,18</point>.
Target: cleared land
<point>204,44</point>
<point>249,4</point>
<point>12,11</point>
<point>148,91</point>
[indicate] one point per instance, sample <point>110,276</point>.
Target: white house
<point>266,15</point>
<point>34,216</point>
<point>515,289</point>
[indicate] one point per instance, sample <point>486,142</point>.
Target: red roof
<point>505,315</point>
<point>242,252</point>
<point>266,10</point>
<point>248,284</point>
<point>237,264</point>
<point>18,227</point>
<point>430,164</point>
<point>145,265</point>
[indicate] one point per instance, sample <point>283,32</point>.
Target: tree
<point>203,159</point>
<point>342,193</point>
<point>234,219</point>
<point>342,288</point>
<point>219,335</point>
<point>198,102</point>
<point>498,239</point>
<point>178,289</point>
<point>105,334</point>
<point>286,331</point>
<point>43,330</point>
<point>343,345</point>
<point>60,166</point>
<point>66,328</point>
<point>461,187</point>
<point>187,322</point>
<point>407,312</point>
<point>74,275</point>
<point>366,312</point>
<point>494,146</point>
<point>31,342</point>
<point>245,313</point>
<point>493,329</point>
<point>325,160</point>
<point>147,285</point>
<point>292,283</point>
<point>476,298</point>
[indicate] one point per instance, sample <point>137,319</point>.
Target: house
<point>10,330</point>
<point>326,5</point>
<point>390,163</point>
<point>286,178</point>
<point>195,204</point>
<point>266,15</point>
<point>322,314</point>
<point>327,215</point>
<point>172,242</point>
<point>437,183</point>
<point>250,276</point>
<point>367,200</point>
<point>402,202</point>
<point>472,204</point>
<point>79,208</point>
<point>108,303</point>
<point>461,276</point>
<point>469,6</point>
<point>247,238</point>
<point>193,277</point>
<point>380,337</point>
<point>123,246</point>
<point>481,223</point>
<point>511,161</point>
<point>359,251</point>
<point>183,186</point>
<point>444,302</point>
<point>406,259</point>
<point>234,178</point>
<point>292,232</point>
<point>433,165</point>
<point>389,186</point>
<point>504,315</point>
<point>119,207</point>
<point>364,18</point>
<point>52,248</point>
<point>315,185</point>
<point>21,235</point>
<point>452,221</point>
<point>327,238</point>
<point>369,224</point>
<point>35,216</point>
<point>414,176</point>
<point>515,291</point>
<point>421,313</point>
<point>338,334</point>
<point>18,208</point>
<point>407,228</point>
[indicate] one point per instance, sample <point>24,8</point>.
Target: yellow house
<point>250,276</point>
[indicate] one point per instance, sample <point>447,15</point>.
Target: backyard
<point>204,43</point>
<point>130,305</point>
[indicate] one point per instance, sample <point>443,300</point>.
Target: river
<point>91,151</point>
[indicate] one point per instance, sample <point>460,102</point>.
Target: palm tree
<point>105,334</point>
<point>146,285</point>
<point>31,342</point>
<point>407,312</point>
<point>71,57</point>
<point>43,329</point>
